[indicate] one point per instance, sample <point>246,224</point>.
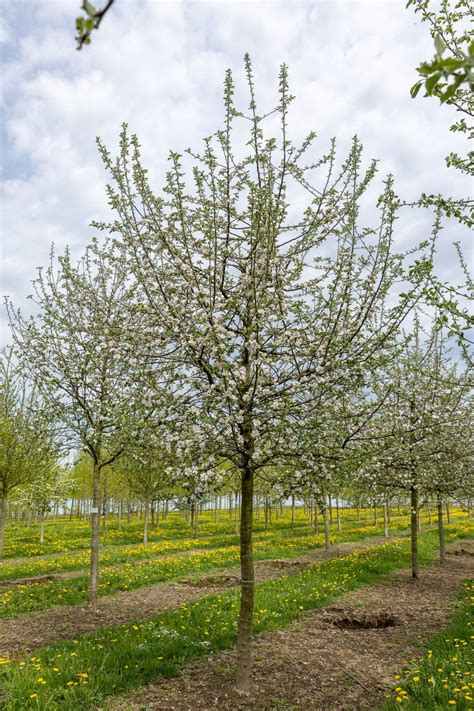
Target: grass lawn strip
<point>82,672</point>
<point>444,676</point>
<point>38,629</point>
<point>110,555</point>
<point>67,542</point>
<point>22,598</point>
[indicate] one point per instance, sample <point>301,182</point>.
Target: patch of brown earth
<point>313,665</point>
<point>36,629</point>
<point>461,551</point>
<point>26,581</point>
<point>353,619</point>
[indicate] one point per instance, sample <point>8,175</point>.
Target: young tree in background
<point>412,434</point>
<point>50,487</point>
<point>77,349</point>
<point>27,432</point>
<point>146,464</point>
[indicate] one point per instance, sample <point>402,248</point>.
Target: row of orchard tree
<point>147,495</point>
<point>252,321</point>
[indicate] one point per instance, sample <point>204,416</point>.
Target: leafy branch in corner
<point>452,69</point>
<point>91,21</point>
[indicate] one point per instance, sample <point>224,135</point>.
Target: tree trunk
<point>292,511</point>
<point>442,542</point>
<point>129,505</point>
<point>41,527</point>
<point>316,522</point>
<point>95,526</point>
<point>414,533</point>
<point>236,518</point>
<point>448,512</point>
<point>145,523</point>
<point>428,514</point>
<point>3,506</point>
<point>385,519</point>
<point>338,510</point>
<point>196,521</point>
<point>327,538</point>
<point>244,629</point>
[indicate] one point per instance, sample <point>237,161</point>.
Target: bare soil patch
<point>353,619</point>
<point>313,664</point>
<point>26,581</point>
<point>224,580</point>
<point>25,632</point>
<point>461,551</point>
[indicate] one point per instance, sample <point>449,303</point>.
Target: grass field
<point>84,671</point>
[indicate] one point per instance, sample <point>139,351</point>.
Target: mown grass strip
<point>63,536</point>
<point>82,673</point>
<point>444,677</point>
<point>131,576</point>
<point>114,555</point>
<point>134,575</point>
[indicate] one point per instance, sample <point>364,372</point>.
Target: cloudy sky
<point>159,66</point>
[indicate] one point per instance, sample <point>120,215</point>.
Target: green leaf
<point>415,89</point>
<point>426,68</point>
<point>448,94</point>
<point>89,9</point>
<point>439,45</point>
<point>448,63</point>
<point>431,82</point>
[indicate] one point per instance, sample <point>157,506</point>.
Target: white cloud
<point>160,67</point>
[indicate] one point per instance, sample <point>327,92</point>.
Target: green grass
<point>134,575</point>
<point>63,536</point>
<point>82,673</point>
<point>173,536</point>
<point>444,677</point>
